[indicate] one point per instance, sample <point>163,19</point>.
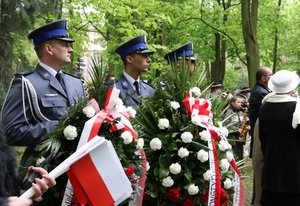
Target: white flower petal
<point>155,144</point>
<point>187,137</point>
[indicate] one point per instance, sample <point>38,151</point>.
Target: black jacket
<point>9,183</point>
<point>280,145</point>
<point>258,92</point>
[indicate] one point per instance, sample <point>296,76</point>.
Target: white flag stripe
<point>86,131</point>
<point>111,171</point>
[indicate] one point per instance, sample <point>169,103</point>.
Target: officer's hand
<point>14,201</point>
<point>41,185</point>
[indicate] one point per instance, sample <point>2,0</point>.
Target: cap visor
<point>191,58</point>
<point>66,39</point>
<point>146,51</point>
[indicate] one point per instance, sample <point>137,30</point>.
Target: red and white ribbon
<point>91,128</point>
<point>239,191</point>
<point>202,108</point>
<point>214,192</point>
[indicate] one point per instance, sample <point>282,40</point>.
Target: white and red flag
<point>99,178</point>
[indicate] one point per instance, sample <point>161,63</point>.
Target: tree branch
<point>219,31</point>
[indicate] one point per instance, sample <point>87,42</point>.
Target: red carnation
<point>188,202</point>
<point>129,171</point>
<point>147,196</point>
<point>204,197</point>
<point>223,197</point>
<point>135,180</point>
<point>173,194</point>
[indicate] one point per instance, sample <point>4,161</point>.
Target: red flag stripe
<point>92,178</point>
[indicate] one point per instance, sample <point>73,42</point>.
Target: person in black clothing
<point>279,133</point>
<point>259,91</point>
<point>10,185</point>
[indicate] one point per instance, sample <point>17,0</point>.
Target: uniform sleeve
<point>3,201</point>
<point>19,126</point>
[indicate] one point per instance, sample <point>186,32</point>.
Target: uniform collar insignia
<point>124,84</point>
<point>46,75</point>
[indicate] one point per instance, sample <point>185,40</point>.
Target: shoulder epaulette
<point>72,75</point>
<point>145,82</point>
<point>24,73</point>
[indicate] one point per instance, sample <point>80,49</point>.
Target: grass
<point>247,180</point>
<point>18,153</point>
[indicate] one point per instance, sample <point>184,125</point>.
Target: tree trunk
<point>249,25</point>
<point>275,48</point>
<point>219,65</point>
<point>6,41</point>
<point>216,65</point>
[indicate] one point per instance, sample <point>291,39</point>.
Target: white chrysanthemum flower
<point>227,183</point>
<point>224,145</point>
<point>127,137</point>
<point>187,137</point>
<point>89,111</point>
<point>175,168</point>
<point>147,166</point>
<point>155,144</point>
<point>202,155</point>
<point>167,182</point>
<point>206,175</point>
<point>175,105</point>
<point>131,111</point>
<point>39,160</point>
<point>196,91</point>
<point>205,135</point>
<point>224,164</point>
<point>229,155</point>
<point>140,144</point>
<point>196,120</point>
<point>224,131</point>
<point>183,152</point>
<point>163,123</point>
<point>193,189</point>
<point>70,132</point>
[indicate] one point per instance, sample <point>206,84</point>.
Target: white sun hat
<point>283,81</point>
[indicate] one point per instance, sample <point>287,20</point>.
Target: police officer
<point>184,51</point>
<point>37,99</point>
<point>136,58</point>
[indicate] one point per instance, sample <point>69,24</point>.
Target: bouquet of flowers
<point>190,162</point>
<point>112,123</point>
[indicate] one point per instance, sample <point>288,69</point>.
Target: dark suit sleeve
<point>3,201</point>
<point>19,130</point>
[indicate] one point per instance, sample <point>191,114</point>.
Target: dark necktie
<point>58,76</point>
<point>137,89</point>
